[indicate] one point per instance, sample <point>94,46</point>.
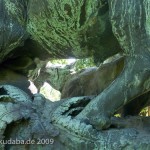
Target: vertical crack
<point>83,14</point>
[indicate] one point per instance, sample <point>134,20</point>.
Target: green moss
<point>16,10</point>
<point>63,23</point>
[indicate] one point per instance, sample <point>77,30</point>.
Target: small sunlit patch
<point>71,60</point>
<point>117,115</point>
<point>49,92</point>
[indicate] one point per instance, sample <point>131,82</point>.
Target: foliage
<point>144,112</point>
<point>84,63</point>
<point>59,61</point>
<point>79,63</point>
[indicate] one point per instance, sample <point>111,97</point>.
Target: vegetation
<point>79,64</point>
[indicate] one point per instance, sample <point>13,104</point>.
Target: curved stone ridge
<point>14,93</point>
<point>65,113</point>
<point>121,134</point>
<point>64,18</point>
<point>15,105</point>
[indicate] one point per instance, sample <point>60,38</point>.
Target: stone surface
<point>54,74</point>
<point>65,28</point>
<point>135,78</point>
<point>49,92</point>
<point>11,77</point>
<point>93,80</point>
<point>80,28</point>
<point>27,125</point>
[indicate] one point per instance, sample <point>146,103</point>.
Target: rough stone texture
<point>13,17</point>
<point>50,93</point>
<point>8,76</point>
<point>131,30</point>
<point>24,120</point>
<point>94,80</point>
<point>69,26</point>
<point>61,28</point>
<point>57,29</point>
<point>55,75</point>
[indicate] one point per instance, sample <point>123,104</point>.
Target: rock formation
<point>60,29</point>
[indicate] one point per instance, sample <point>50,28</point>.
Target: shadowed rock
<point>56,127</point>
<point>8,76</point>
<point>93,80</point>
<point>49,28</point>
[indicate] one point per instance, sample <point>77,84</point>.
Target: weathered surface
<point>52,29</point>
<point>93,80</point>
<point>63,77</point>
<point>90,81</point>
<point>24,121</point>
<point>13,19</point>
<point>72,28</point>
<point>8,76</point>
<point>55,75</point>
<point>131,29</point>
<point>78,28</point>
<point>50,93</point>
